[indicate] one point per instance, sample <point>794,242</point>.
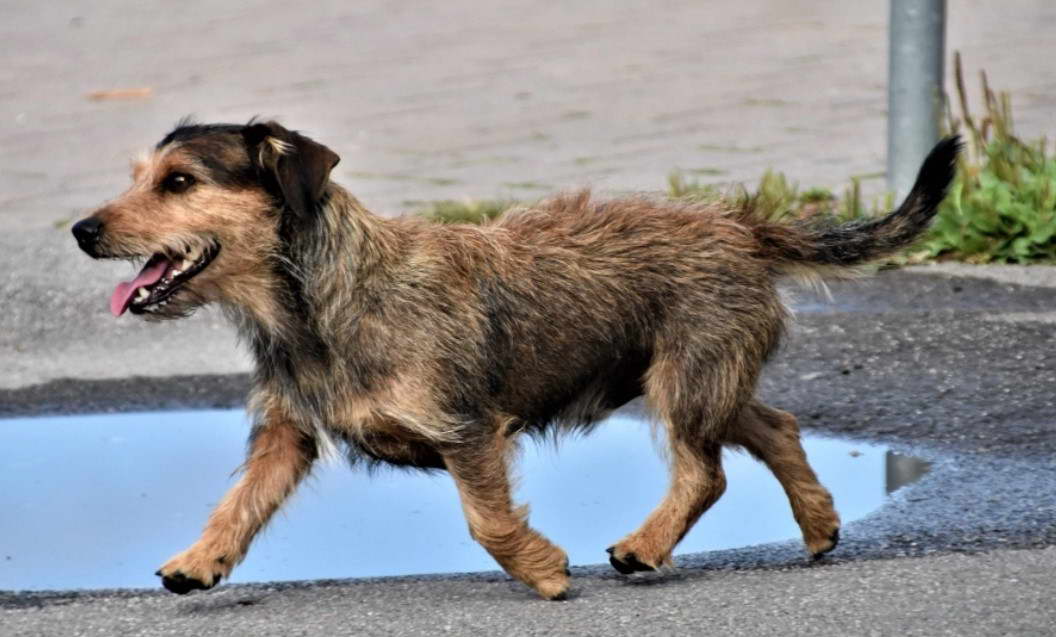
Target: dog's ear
<point>299,166</point>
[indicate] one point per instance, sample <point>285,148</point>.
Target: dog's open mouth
<point>159,279</point>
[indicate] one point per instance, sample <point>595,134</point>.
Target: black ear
<point>299,166</point>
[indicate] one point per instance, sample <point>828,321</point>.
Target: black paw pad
<point>181,584</point>
<point>628,563</point>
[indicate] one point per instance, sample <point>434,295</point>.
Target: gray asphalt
<point>910,597</point>
<point>950,363</point>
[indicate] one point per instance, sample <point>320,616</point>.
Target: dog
<point>417,344</point>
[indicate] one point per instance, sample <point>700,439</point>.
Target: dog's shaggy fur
<point>436,346</point>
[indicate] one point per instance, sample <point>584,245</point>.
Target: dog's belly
<point>579,398</point>
<point>384,448</point>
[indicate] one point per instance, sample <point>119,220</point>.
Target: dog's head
<point>205,212</point>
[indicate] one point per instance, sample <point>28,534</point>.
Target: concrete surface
<point>465,99</point>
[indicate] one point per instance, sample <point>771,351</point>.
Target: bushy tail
<point>863,241</point>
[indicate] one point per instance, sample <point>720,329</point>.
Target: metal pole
<point>914,87</point>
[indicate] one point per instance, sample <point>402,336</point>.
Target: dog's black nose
<point>86,231</point>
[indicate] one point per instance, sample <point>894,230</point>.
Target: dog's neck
<point>328,271</point>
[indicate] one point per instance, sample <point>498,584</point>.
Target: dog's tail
<point>792,247</point>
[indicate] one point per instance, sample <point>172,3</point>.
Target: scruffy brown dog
<point>438,346</point>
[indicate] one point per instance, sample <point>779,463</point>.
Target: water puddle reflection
<point>102,500</point>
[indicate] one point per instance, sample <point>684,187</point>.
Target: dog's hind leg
<point>772,435</point>
<point>695,412</point>
<point>482,476</point>
<point>697,482</point>
<point>280,455</point>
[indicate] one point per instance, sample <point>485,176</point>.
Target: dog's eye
<point>177,182</point>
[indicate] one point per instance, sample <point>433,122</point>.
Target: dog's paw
<point>189,571</point>
<point>818,550</point>
<point>550,580</point>
<point>821,530</point>
<point>181,584</point>
<point>554,588</point>
<point>627,562</point>
<point>552,583</point>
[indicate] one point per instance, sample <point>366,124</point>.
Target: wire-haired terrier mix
<point>436,346</point>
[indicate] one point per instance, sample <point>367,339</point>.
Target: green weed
<point>1002,207</point>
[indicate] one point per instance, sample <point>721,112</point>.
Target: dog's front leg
<point>280,455</point>
<point>481,474</point>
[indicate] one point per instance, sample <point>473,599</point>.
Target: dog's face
<point>206,211</point>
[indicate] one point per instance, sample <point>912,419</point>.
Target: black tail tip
<point>939,168</point>
<point>945,152</point>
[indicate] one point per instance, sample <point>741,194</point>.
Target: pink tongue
<point>149,275</point>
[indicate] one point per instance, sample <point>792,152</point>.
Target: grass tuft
<point>468,211</point>
<point>778,199</point>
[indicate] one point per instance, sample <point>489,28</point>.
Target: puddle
<point>101,501</point>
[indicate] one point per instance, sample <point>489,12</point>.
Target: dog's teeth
<point>177,271</point>
<point>142,295</point>
<point>187,263</point>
